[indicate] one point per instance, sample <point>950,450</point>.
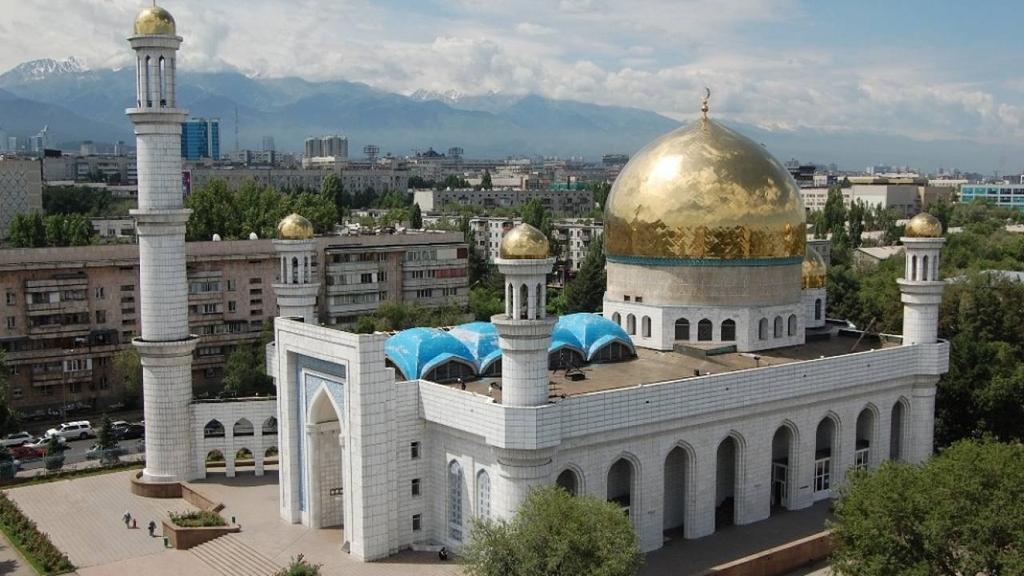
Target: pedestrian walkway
<point>83,518</point>
<point>11,562</point>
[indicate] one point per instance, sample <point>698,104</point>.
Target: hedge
<point>26,537</point>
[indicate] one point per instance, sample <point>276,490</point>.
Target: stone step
<point>231,557</point>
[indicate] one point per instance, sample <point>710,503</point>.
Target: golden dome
<point>924,225</point>
<point>294,227</point>
<point>813,271</point>
<point>155,20</point>
<point>524,242</point>
<point>704,191</point>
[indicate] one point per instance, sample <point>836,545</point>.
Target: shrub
<point>300,567</point>
<point>26,536</point>
<point>197,519</point>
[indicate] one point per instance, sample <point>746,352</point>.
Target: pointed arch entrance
<point>325,462</point>
<point>728,481</point>
<point>679,488</point>
<point>784,463</point>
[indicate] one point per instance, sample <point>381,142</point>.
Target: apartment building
<point>572,235</point>
<point>381,179</point>
<point>67,311</point>
<point>21,190</point>
<point>568,202</point>
<point>906,196</point>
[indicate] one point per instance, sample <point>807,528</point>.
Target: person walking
<point>127,519</point>
<point>152,528</point>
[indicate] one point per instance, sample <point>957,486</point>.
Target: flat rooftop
<point>651,366</point>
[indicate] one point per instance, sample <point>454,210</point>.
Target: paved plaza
<point>83,518</point>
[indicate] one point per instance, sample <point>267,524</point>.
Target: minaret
<point>920,286</point>
<point>297,290</point>
<point>813,279</point>
<point>921,293</point>
<point>524,330</point>
<point>165,345</point>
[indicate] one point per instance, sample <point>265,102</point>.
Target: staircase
<point>230,557</point>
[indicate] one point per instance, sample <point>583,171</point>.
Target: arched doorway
<point>569,481</point>
<point>678,488</point>
<point>728,482</point>
<point>897,431</point>
<point>865,438</point>
<point>783,467</point>
<point>325,463</point>
<point>825,450</point>
<point>620,485</point>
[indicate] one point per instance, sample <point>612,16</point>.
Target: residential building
<point>333,146</point>
<point>21,190</point>
<point>568,202</point>
<point>1002,195</point>
<point>906,196</point>
<point>384,179</point>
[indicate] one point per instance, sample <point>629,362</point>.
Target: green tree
<point>27,231</point>
<point>105,438</point>
<point>485,181</point>
<point>213,212</point>
<point>554,532</point>
<point>242,374</point>
<point>485,302</point>
<point>959,513</point>
<point>601,190</point>
<point>416,217</point>
<point>585,292</point>
<point>320,211</point>
<point>128,366</point>
<point>10,419</point>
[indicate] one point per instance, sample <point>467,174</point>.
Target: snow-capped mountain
<point>448,96</point>
<point>37,70</point>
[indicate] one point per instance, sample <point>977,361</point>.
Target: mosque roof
<point>417,351</point>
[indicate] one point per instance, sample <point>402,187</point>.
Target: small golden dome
<point>294,227</point>
<point>924,225</point>
<point>524,242</point>
<point>155,20</point>
<point>813,271</point>
<point>704,191</point>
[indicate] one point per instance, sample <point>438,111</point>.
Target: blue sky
<point>925,69</point>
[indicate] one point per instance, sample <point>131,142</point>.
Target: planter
<point>53,463</point>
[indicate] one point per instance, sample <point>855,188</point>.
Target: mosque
<point>711,391</point>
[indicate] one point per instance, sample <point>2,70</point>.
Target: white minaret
<point>297,290</point>
<point>165,345</point>
<point>921,293</point>
<point>920,288</point>
<point>524,330</point>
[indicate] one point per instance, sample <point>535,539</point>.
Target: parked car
<point>78,430</point>
<point>28,451</point>
<point>130,431</point>
<point>95,452</point>
<point>40,443</point>
<point>15,439</point>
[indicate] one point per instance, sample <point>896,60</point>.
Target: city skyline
<point>778,64</point>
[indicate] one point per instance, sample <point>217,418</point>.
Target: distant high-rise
<point>268,144</point>
<point>200,138</point>
<point>3,141</point>
<point>321,146</point>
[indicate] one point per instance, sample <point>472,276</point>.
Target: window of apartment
<point>417,274</point>
<point>12,299</point>
<point>414,450</point>
<point>415,486</point>
<point>104,360</point>
<point>365,278</point>
<point>255,280</point>
<point>128,288</point>
<point>210,372</point>
<point>78,364</point>
<point>425,293</point>
<point>17,392</point>
<point>232,285</point>
<point>104,383</point>
<point>382,276</point>
<point>101,316</point>
<point>449,291</point>
<point>46,390</point>
<point>417,522</point>
<point>209,351</point>
<point>12,322</point>
<point>256,302</point>
<point>232,306</point>
<point>203,286</point>
<point>14,370</point>
<point>75,388</point>
<point>257,312</point>
<point>255,292</point>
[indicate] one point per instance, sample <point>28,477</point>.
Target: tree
<point>485,181</point>
<point>554,532</point>
<point>959,513</point>
<point>242,374</point>
<point>10,419</point>
<point>27,231</point>
<point>128,365</point>
<point>416,217</point>
<point>106,442</point>
<point>585,293</point>
<point>213,212</point>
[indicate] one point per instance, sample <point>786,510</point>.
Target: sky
<point>927,69</point>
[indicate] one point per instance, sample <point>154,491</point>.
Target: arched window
<point>455,481</point>
<point>617,319</point>
<point>540,301</point>
<point>913,267</point>
<point>792,324</point>
<point>924,267</point>
<point>705,330</point>
<point>509,299</point>
<point>163,83</point>
<point>762,329</point>
<point>645,327</point>
<point>524,302</point>
<point>269,426</point>
<point>483,495</point>
<point>778,327</point>
<point>213,429</point>
<point>682,329</point>
<point>728,331</point>
<point>631,325</point>
<point>817,309</point>
<point>149,93</point>
<point>295,271</point>
<point>242,428</point>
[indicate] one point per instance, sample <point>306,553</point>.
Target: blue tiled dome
<point>588,333</point>
<point>417,351</point>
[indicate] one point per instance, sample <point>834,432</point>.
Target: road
<point>76,452</point>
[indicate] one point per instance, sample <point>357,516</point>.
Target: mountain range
<point>78,103</point>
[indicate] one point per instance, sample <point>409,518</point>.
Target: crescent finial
<point>704,102</point>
